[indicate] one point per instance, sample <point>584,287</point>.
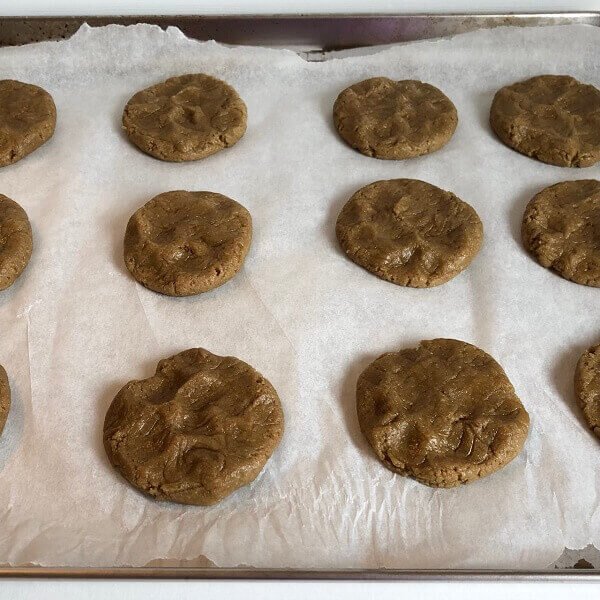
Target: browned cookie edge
<point>587,369</point>
<point>32,142</point>
<point>532,237</point>
<point>540,146</point>
<point>14,264</point>
<point>202,496</point>
<point>400,151</point>
<point>148,143</point>
<point>434,477</point>
<point>191,285</point>
<point>4,398</point>
<point>355,256</point>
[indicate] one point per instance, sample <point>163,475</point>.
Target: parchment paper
<point>76,327</point>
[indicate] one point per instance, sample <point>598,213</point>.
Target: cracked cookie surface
<point>561,228</point>
<point>390,119</point>
<point>16,241</point>
<point>587,387</point>
<point>552,118</point>
<point>409,232</point>
<point>196,431</point>
<point>443,413</point>
<point>4,398</point>
<point>183,243</point>
<point>185,118</point>
<point>27,119</point>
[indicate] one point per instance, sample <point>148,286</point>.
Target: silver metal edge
<point>322,31</point>
<point>358,15</point>
<point>217,573</point>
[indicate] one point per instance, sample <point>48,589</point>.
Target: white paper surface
<point>76,327</point>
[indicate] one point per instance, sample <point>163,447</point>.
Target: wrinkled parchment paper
<point>76,327</point>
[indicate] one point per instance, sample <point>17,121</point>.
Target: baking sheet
<point>76,327</point>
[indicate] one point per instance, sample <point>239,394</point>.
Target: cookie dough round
<point>561,228</point>
<point>16,241</point>
<point>184,243</point>
<point>587,387</point>
<point>394,119</point>
<point>4,398</point>
<point>409,232</point>
<point>27,119</point>
<point>443,413</point>
<point>185,118</point>
<point>553,118</point>
<point>199,429</point>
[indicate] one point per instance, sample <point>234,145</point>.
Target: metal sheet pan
<point>320,33</point>
<point>492,575</point>
<point>313,36</point>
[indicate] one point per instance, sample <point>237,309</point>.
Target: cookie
<point>16,241</point>
<point>197,430</point>
<point>27,119</point>
<point>184,243</point>
<point>4,398</point>
<point>587,387</point>
<point>561,228</point>
<point>443,413</point>
<point>552,118</point>
<point>394,119</point>
<point>409,232</point>
<point>185,118</point>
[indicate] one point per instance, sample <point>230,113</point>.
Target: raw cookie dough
<point>561,228</point>
<point>16,242</point>
<point>553,118</point>
<point>183,243</point>
<point>443,413</point>
<point>27,119</point>
<point>587,387</point>
<point>394,119</point>
<point>4,398</point>
<point>409,232</point>
<point>185,118</point>
<point>199,429</point>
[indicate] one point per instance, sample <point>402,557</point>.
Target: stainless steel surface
<point>320,575</point>
<point>308,32</point>
<point>313,35</point>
